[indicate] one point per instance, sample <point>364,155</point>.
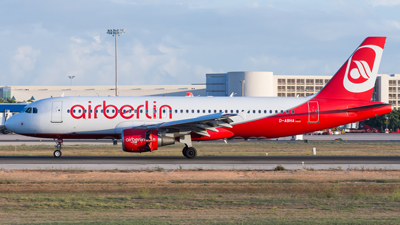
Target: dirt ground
<point>200,197</point>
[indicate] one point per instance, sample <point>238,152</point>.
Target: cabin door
<point>56,112</point>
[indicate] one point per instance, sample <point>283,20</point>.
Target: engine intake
<point>140,140</point>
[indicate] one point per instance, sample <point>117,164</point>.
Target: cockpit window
<point>35,110</point>
<point>28,110</point>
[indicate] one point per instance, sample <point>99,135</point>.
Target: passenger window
<point>265,111</point>
<point>204,111</point>
<point>292,111</point>
<point>276,111</point>
<point>220,110</point>
<point>270,111</point>
<point>281,111</point>
<point>79,111</point>
<point>209,111</point>
<point>192,110</point>
<point>141,111</point>
<point>181,110</point>
<point>237,111</point>
<point>198,111</point>
<point>215,111</point>
<point>176,111</point>
<point>85,110</point>
<point>254,111</point>
<point>34,110</point>
<point>187,110</point>
<point>106,111</point>
<point>287,111</point>
<point>68,111</point>
<point>73,110</point>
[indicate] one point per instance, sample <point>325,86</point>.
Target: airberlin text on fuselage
<point>125,111</point>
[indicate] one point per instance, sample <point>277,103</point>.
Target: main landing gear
<point>189,152</point>
<point>57,153</point>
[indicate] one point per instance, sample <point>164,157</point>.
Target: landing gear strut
<point>188,151</point>
<point>57,153</point>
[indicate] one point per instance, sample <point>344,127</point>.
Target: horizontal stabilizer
<point>367,107</point>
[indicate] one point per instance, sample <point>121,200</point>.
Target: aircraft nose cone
<point>10,124</point>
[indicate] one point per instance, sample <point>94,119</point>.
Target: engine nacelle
<point>140,140</point>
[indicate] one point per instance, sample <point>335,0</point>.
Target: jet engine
<point>141,140</point>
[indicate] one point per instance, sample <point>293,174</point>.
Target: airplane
<point>146,123</point>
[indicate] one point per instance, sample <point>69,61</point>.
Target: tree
<point>379,121</point>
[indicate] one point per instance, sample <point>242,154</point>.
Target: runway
<point>204,162</point>
<point>200,163</point>
<point>15,139</point>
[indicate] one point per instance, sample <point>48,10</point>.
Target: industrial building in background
<point>249,84</point>
<point>265,84</point>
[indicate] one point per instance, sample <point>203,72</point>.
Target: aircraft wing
<point>198,125</point>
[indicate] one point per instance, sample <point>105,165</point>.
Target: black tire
<point>57,153</point>
<point>184,150</point>
<point>191,153</point>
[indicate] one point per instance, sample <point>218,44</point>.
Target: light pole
<point>71,77</point>
<point>115,33</point>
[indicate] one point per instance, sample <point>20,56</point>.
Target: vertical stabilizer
<point>356,78</point>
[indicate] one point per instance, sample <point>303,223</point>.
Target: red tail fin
<point>356,78</point>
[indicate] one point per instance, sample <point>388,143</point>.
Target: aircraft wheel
<point>184,150</point>
<point>57,153</point>
<point>190,153</point>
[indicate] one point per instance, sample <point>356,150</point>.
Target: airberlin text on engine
<point>126,111</point>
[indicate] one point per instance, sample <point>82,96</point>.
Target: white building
<point>387,87</point>
<point>24,93</point>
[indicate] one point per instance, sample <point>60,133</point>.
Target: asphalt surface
<point>137,162</point>
<point>200,160</point>
<point>15,139</point>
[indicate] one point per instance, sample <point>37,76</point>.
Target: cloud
<point>24,61</point>
<point>167,42</point>
<point>252,5</point>
<point>384,2</point>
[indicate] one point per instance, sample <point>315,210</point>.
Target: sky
<point>42,42</point>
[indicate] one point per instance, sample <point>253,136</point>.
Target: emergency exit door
<point>56,112</point>
<point>313,112</point>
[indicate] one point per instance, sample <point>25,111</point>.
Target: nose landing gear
<point>57,153</point>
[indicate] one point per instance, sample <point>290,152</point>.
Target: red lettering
<point>95,111</point>
<point>108,106</point>
<point>78,117</point>
<point>147,110</point>
<point>89,111</point>
<point>138,112</point>
<point>154,110</point>
<point>170,111</point>
<point>122,111</point>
